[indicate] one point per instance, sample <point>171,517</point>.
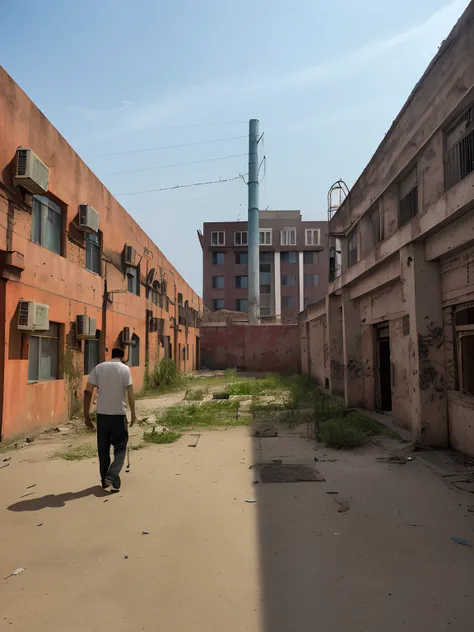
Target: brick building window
<point>287,302</point>
<point>265,278</point>
<point>218,258</point>
<point>91,355</point>
<point>218,238</point>
<point>217,303</point>
<point>311,256</point>
<point>43,355</point>
<point>264,311</point>
<point>242,282</point>
<point>408,206</point>
<point>265,289</point>
<point>352,247</point>
<point>265,267</point>
<point>133,283</point>
<point>241,238</point>
<point>218,282</point>
<point>288,237</point>
<point>242,258</point>
<point>288,279</point>
<point>134,352</point>
<point>312,237</point>
<point>93,252</point>
<point>265,237</point>
<point>289,257</point>
<point>46,224</point>
<point>266,257</point>
<point>242,305</point>
<point>459,140</point>
<point>311,280</point>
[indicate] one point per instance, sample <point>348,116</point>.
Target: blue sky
<point>326,79</point>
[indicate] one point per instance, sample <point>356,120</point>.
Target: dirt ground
<point>292,560</point>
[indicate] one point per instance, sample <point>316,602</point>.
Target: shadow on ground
<point>56,500</point>
<point>366,550</point>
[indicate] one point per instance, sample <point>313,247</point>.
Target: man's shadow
<point>56,500</point>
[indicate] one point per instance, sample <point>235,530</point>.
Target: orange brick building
<point>66,243</point>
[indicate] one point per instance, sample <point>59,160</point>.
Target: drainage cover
<point>288,473</point>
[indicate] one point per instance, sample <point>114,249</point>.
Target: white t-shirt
<point>111,379</point>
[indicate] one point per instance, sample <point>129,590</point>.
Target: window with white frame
<point>241,238</point>
<point>218,238</point>
<point>43,355</point>
<point>312,236</point>
<point>288,237</point>
<point>265,237</point>
<point>46,224</point>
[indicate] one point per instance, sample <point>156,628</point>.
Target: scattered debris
<point>220,395</point>
<point>125,557</point>
<point>49,430</point>
<point>471,508</point>
<point>332,492</point>
<point>145,533</point>
<point>195,441</point>
<point>30,486</point>
<point>106,500</point>
<point>343,505</point>
<point>6,465</point>
<point>29,439</point>
<point>7,458</point>
<point>265,432</point>
<point>279,472</point>
<point>25,495</point>
<point>462,542</point>
<point>250,500</point>
<point>40,524</point>
<point>16,572</point>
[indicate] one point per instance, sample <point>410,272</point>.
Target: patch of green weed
<point>195,394</point>
<point>79,452</point>
<point>350,431</point>
<point>164,378</point>
<point>168,436</point>
<point>209,414</point>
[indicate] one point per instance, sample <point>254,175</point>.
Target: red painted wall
<point>273,348</point>
<point>62,281</point>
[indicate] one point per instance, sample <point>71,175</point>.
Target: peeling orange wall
<point>62,282</point>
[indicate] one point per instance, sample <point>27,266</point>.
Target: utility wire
<point>183,186</point>
<point>178,164</point>
<point>201,142</point>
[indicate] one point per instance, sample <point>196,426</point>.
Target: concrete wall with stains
<point>273,348</point>
<point>417,277</point>
<point>64,283</point>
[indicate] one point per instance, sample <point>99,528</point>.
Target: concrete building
<point>78,276</point>
<point>293,264</point>
<point>396,330</point>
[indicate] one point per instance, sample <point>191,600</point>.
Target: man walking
<point>113,381</point>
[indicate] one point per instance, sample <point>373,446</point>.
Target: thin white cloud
<point>422,38</point>
<point>92,114</point>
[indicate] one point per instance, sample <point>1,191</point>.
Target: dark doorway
<point>384,369</point>
<point>198,354</point>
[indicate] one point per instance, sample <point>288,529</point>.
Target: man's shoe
<point>105,484</point>
<point>113,483</point>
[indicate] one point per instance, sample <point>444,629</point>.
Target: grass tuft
<point>164,378</point>
<point>168,436</point>
<point>217,413</point>
<point>350,431</point>
<point>195,394</point>
<point>79,452</point>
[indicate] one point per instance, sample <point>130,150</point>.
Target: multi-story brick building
<point>396,331</point>
<point>78,276</point>
<point>293,264</point>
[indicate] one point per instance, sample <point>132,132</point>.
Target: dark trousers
<point>111,430</point>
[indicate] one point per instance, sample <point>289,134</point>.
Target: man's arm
<point>87,404</point>
<point>131,403</point>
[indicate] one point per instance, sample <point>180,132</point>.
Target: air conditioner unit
<point>130,255</point>
<point>30,172</point>
<point>33,316</point>
<point>126,336</point>
<point>86,327</point>
<point>88,218</point>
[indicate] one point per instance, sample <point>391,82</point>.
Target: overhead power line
<point>201,142</point>
<point>178,164</point>
<point>183,186</point>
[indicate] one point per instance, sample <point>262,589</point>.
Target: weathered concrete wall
<point>317,343</point>
<point>62,281</point>
<point>251,347</point>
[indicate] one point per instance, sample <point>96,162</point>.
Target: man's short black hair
<point>118,353</point>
